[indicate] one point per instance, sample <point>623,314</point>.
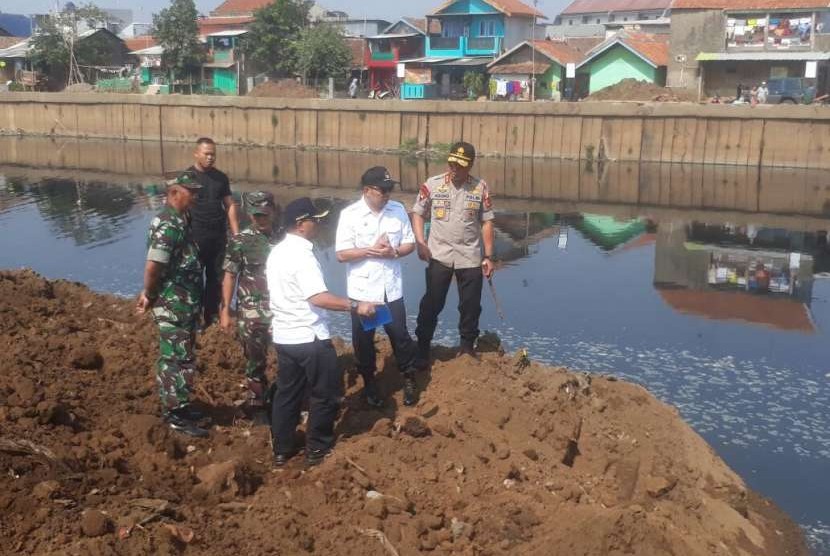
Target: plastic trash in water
<point>382,316</point>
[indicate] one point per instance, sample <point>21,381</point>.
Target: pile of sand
<point>283,88</point>
<point>495,459</point>
<point>632,89</point>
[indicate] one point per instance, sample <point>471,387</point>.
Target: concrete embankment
<point>775,136</point>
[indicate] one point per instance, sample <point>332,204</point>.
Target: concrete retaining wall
<point>779,136</point>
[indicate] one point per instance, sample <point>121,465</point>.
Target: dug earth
<point>497,458</point>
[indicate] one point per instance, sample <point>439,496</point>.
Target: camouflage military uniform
<point>245,257</point>
<point>177,304</point>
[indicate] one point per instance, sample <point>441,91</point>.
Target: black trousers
<point>211,253</point>
<point>403,347</point>
<point>438,277</point>
<point>311,366</point>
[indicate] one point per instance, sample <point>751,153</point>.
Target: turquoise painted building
<point>480,27</point>
<point>626,55</point>
<point>224,70</point>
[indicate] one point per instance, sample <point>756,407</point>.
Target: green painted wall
<point>225,80</point>
<point>617,64</point>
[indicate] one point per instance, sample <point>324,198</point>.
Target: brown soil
<point>283,88</point>
<point>476,468</point>
<point>632,89</point>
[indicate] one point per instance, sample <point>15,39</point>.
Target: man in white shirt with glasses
<point>373,233</point>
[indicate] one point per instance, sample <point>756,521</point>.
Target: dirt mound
<point>497,458</point>
<point>283,88</point>
<point>632,89</point>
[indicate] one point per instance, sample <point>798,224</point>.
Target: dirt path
<point>494,460</point>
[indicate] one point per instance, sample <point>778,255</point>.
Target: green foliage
<point>176,30</point>
<point>16,87</point>
<point>322,52</point>
<point>273,35</point>
<point>474,83</point>
<point>58,34</point>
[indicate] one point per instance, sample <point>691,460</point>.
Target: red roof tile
<point>209,25</point>
<point>140,43</point>
<point>602,6</point>
<point>654,47</point>
<point>508,7</point>
<point>240,7</point>
<point>749,4</point>
<point>6,42</point>
<point>560,51</point>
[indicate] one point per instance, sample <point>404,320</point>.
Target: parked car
<point>786,90</point>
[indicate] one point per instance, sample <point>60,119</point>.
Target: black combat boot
<point>180,420</point>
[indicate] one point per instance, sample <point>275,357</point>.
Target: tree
<point>57,48</point>
<point>177,32</point>
<point>322,52</point>
<point>474,83</point>
<point>272,37</point>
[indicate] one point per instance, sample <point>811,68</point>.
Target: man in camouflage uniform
<point>244,267</point>
<point>172,292</point>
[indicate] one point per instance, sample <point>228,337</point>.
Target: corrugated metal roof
<point>157,50</point>
<point>603,6</point>
<point>749,4</point>
<point>395,36</point>
<point>761,56</point>
<point>230,33</point>
<point>471,62</point>
<point>521,68</point>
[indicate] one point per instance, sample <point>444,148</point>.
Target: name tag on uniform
<point>441,196</point>
<point>472,197</point>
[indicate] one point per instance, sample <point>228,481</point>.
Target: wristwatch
<point>353,305</point>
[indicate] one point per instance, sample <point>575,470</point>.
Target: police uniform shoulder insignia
<point>423,193</point>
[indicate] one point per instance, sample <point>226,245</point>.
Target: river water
<point>708,285</point>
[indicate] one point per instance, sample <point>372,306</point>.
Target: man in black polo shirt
<point>213,212</point>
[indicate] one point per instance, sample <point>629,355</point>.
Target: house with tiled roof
<point>404,39</point>
<point>719,44</point>
<point>466,35</point>
<point>626,55</point>
<point>583,18</point>
<point>545,60</point>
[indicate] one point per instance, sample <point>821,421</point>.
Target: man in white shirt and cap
<point>372,235</point>
<point>305,355</point>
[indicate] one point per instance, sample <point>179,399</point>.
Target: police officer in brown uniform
<point>460,210</point>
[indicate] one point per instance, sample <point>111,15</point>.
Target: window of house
<point>625,18</point>
<point>584,19</point>
<point>597,20</point>
<point>823,22</point>
<point>557,21</point>
<point>570,22</point>
<point>487,28</point>
<point>612,17</point>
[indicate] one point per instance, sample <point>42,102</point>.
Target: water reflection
<point>708,285</point>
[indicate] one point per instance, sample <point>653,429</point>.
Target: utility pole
<point>533,54</point>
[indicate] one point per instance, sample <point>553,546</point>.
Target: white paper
<point>401,70</point>
<point>795,260</point>
<point>810,69</point>
<point>570,71</point>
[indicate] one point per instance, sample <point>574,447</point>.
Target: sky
<point>383,9</point>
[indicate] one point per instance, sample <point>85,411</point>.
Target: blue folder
<point>382,316</point>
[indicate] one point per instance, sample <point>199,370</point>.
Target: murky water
<point>710,286</point>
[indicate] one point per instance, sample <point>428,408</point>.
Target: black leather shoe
<point>190,412</point>
<point>410,391</point>
<point>373,398</point>
<point>281,459</point>
<point>316,457</point>
<point>182,424</point>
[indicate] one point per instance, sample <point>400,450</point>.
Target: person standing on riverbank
<point>460,211</point>
<point>372,234</point>
<point>244,266</point>
<point>305,355</point>
<point>173,293</point>
<point>213,213</point>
